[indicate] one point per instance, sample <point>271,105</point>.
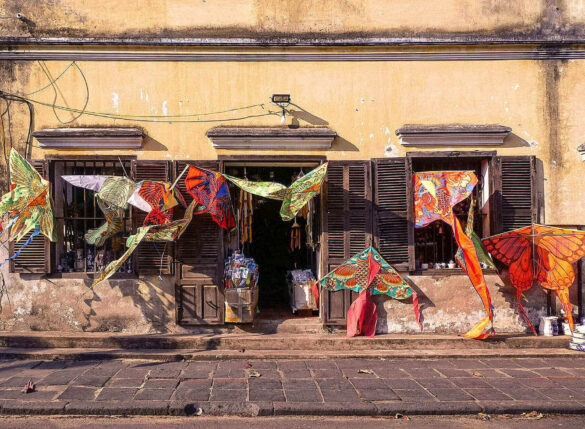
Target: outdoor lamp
<point>281,100</point>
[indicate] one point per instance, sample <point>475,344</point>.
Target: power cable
<point>52,82</point>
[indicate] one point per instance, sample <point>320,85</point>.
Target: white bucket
<point>549,326</point>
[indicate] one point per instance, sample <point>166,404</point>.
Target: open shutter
<point>199,264</point>
<point>392,229</point>
<point>518,201</point>
<point>151,257</point>
<point>347,227</point>
<point>36,257</point>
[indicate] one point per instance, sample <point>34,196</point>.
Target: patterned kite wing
<point>301,191</point>
<point>566,244</point>
<point>342,277</point>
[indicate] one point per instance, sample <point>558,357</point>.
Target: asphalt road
<point>463,422</point>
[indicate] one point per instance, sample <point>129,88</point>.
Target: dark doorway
<point>271,245</point>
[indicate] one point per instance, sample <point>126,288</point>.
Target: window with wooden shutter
<point>516,190</point>
<point>199,263</point>
<point>347,227</point>
<point>152,257</point>
<point>392,229</point>
<point>36,257</point>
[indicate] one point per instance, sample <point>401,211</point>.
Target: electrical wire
<point>142,119</point>
<point>56,92</point>
<point>52,82</point>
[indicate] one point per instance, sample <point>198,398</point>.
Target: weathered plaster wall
<point>450,304</point>
<point>185,18</point>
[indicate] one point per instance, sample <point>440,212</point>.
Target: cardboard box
<point>240,305</point>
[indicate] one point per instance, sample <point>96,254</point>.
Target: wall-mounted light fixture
<point>282,101</point>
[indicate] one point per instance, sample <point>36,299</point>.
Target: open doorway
<point>276,245</point>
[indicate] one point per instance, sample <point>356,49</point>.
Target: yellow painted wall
<point>365,102</point>
<point>135,18</point>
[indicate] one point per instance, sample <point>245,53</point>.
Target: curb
<point>264,409</point>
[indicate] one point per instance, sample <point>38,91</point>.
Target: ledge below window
<point>90,138</point>
<point>277,138</point>
<point>453,135</point>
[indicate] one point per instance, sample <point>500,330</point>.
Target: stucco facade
<point>362,68</point>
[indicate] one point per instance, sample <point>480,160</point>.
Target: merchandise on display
<point>302,290</point>
<point>240,272</point>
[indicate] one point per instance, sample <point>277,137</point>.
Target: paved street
<point>317,387</point>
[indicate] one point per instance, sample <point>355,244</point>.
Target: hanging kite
<point>293,198</point>
<point>168,232</point>
<point>114,193</point>
<point>28,205</point>
<point>435,195</point>
<point>368,273</point>
<point>540,253</point>
<point>209,189</point>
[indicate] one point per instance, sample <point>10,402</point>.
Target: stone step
<point>235,341</point>
<point>161,355</point>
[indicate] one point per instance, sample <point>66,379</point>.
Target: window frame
<point>490,156</point>
<point>51,159</point>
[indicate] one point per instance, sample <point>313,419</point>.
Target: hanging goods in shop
<point>293,198</point>
<point>245,216</point>
<point>368,273</point>
<point>27,206</point>
<point>540,253</point>
<point>168,232</point>
<point>295,236</point>
<point>209,189</point>
<point>435,195</point>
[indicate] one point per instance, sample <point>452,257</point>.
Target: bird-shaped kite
<point>435,195</point>
<point>293,197</point>
<point>368,273</point>
<point>28,204</point>
<point>540,253</point>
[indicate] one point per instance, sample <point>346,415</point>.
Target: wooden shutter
<point>347,227</point>
<point>151,257</point>
<point>392,183</point>
<point>36,257</point>
<point>516,190</point>
<point>199,264</point>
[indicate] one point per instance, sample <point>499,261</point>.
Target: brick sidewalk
<point>317,387</point>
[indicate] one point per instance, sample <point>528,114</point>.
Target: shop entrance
<point>277,246</point>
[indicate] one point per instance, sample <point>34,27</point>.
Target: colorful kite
<point>368,273</point>
<point>160,232</point>
<point>540,253</point>
<point>294,197</point>
<point>28,205</point>
<point>114,193</point>
<point>209,189</point>
<point>435,195</point>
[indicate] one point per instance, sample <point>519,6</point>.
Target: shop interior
<point>276,246</point>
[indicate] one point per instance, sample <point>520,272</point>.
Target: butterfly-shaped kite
<point>540,253</point>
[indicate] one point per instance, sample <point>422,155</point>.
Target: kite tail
<point>563,295</point>
<point>35,232</point>
<point>473,270</point>
<point>416,309</point>
<point>315,291</point>
<point>522,312</point>
<point>362,316</point>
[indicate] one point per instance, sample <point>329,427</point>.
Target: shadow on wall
<point>151,144</point>
<point>514,140</point>
<point>145,296</point>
